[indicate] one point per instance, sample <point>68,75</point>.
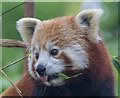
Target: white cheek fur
<point>30,61</point>
<point>56,82</point>
<point>77,55</point>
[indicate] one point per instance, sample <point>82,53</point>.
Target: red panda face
<point>58,45</point>
<point>56,49</point>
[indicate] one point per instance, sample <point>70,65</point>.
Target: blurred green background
<point>49,10</point>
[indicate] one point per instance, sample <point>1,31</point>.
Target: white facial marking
<point>30,61</point>
<point>37,47</point>
<point>49,45</point>
<point>77,55</point>
<point>57,81</point>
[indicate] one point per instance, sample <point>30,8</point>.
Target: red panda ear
<point>26,28</point>
<point>90,19</point>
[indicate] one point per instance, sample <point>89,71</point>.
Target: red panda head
<point>59,45</point>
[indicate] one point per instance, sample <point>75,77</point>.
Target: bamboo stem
<point>17,89</point>
<point>16,61</point>
<point>13,63</point>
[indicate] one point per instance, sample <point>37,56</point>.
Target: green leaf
<point>66,77</point>
<point>63,76</point>
<point>117,57</point>
<point>116,64</point>
<point>76,75</point>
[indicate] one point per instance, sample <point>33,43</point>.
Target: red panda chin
<point>55,82</point>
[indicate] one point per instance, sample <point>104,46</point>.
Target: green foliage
<point>66,77</point>
<point>63,76</point>
<point>116,62</point>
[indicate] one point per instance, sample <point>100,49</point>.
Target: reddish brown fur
<point>100,66</point>
<point>66,59</point>
<point>33,68</point>
<point>56,30</point>
<point>51,31</point>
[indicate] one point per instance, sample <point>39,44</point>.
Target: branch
<point>17,89</point>
<point>13,63</point>
<point>11,43</point>
<point>28,55</point>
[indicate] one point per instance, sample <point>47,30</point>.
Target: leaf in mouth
<point>63,76</point>
<point>66,77</point>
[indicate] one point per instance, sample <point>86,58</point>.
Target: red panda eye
<point>54,52</point>
<point>36,55</point>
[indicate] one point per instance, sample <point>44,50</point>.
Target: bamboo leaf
<point>63,76</point>
<point>116,64</point>
<point>76,75</point>
<point>66,77</point>
<point>117,57</point>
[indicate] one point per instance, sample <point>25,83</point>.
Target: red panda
<point>69,45</point>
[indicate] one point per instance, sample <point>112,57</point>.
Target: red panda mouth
<point>48,78</point>
<point>45,78</point>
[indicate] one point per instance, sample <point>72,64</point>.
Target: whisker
<point>49,68</point>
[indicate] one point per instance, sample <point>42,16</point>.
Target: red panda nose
<point>41,69</point>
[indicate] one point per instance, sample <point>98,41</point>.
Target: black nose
<point>40,69</point>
